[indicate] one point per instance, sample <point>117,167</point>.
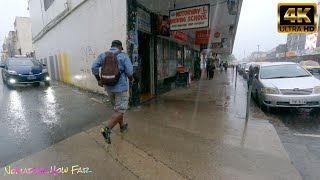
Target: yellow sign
<point>297,18</point>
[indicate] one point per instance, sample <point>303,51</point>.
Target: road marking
<point>307,135</point>
<point>94,99</point>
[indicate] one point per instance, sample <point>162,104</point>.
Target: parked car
<point>24,71</point>
<point>311,66</point>
<point>285,84</point>
<point>245,70</point>
<point>240,68</point>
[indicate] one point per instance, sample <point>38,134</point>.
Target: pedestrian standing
<point>197,68</point>
<point>208,66</point>
<point>115,68</point>
<point>212,68</point>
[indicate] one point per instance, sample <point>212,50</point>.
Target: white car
<point>285,85</point>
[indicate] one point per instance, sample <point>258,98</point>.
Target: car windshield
<point>283,71</point>
<point>310,63</point>
<point>23,62</point>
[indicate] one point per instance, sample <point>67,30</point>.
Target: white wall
<point>78,39</point>
<point>24,35</point>
<point>42,17</point>
<point>35,9</point>
<point>57,7</point>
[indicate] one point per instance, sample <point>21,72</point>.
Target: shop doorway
<point>145,65</point>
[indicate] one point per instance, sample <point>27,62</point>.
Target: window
<point>47,3</point>
<point>283,71</point>
<point>23,62</point>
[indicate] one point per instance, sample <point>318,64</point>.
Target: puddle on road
<point>298,120</point>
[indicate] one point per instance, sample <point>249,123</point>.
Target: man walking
<point>118,89</point>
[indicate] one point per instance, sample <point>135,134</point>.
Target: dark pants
<point>208,73</point>
<point>211,73</point>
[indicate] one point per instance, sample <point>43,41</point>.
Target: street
<point>33,118</point>
<point>299,131</point>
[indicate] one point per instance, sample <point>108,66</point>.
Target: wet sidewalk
<point>189,133</point>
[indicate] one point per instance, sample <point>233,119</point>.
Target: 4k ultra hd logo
<point>297,18</point>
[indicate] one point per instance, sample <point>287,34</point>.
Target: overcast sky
<point>257,25</point>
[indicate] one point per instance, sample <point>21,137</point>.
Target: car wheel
<point>47,83</point>
<point>259,102</point>
<point>37,84</point>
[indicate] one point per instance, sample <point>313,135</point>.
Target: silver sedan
<point>285,85</point>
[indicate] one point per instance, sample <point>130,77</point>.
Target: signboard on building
<point>189,18</point>
<point>163,25</point>
<point>144,20</point>
<point>291,54</point>
<point>183,37</point>
<point>179,36</point>
<point>311,41</point>
<point>202,37</point>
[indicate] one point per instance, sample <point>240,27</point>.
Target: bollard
<point>236,77</point>
<point>248,102</point>
<point>250,81</point>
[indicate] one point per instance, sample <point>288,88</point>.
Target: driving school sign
<point>189,18</point>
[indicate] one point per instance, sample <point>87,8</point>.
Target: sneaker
<point>124,127</point>
<point>106,134</point>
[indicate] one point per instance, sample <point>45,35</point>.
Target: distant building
<point>9,45</point>
<point>19,41</point>
<point>296,42</point>
<point>282,48</point>
<point>271,54</point>
<point>22,27</point>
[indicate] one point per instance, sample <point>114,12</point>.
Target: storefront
<point>156,51</point>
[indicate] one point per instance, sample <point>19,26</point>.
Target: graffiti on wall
<point>87,56</point>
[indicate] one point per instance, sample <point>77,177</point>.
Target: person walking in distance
<point>208,66</point>
<point>115,68</point>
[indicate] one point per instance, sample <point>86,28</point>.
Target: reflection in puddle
<point>17,119</point>
<point>49,113</point>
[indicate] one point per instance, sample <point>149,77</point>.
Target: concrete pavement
<point>189,133</point>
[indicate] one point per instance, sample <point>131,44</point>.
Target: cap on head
<point>117,43</point>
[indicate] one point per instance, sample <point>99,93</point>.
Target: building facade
<point>22,27</point>
<point>19,41</point>
<point>9,45</point>
<point>68,35</point>
<point>296,42</point>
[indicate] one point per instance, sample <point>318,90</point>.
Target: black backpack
<point>110,73</point>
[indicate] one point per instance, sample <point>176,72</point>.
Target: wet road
<point>299,131</point>
<point>33,118</point>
